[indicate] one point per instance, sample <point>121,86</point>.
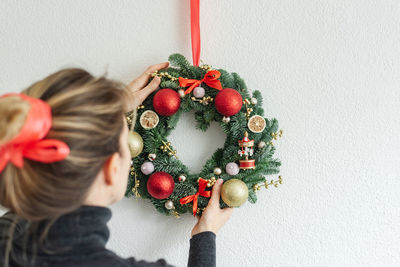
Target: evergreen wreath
<point>157,173</point>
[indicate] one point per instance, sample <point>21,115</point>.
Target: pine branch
<point>252,197</point>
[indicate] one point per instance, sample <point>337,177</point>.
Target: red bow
<point>210,79</point>
<point>30,142</point>
<point>194,198</point>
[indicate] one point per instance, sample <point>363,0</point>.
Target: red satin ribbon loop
<point>30,142</point>
<point>211,79</point>
<point>195,30</point>
<point>194,198</point>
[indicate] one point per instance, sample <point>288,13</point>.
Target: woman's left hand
<point>141,88</point>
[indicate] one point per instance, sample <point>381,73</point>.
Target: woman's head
<point>88,115</point>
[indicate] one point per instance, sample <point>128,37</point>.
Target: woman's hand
<point>141,88</point>
<point>213,217</point>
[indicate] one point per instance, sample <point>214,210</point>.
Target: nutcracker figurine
<point>246,146</point>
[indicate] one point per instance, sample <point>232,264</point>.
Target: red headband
<point>29,142</point>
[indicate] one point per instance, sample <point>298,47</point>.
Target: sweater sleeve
<point>159,263</point>
<point>202,250</point>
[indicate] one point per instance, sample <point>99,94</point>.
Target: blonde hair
<point>88,116</point>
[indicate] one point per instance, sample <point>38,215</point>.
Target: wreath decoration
<point>214,95</point>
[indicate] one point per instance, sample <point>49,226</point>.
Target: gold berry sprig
<point>266,184</point>
<point>166,147</point>
<point>200,209</point>
<point>135,188</point>
<point>205,67</point>
<point>210,182</point>
<point>275,136</point>
<point>249,110</point>
<point>163,74</point>
<point>205,100</point>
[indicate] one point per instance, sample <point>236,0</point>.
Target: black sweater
<point>79,239</point>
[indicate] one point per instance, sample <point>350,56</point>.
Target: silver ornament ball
<point>182,178</point>
<point>253,101</point>
<point>261,144</point>
<point>217,171</point>
<point>199,92</point>
<point>226,119</point>
<point>181,93</point>
<point>232,168</point>
<point>147,167</point>
<point>169,205</point>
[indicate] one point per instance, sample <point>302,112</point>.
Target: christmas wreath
<point>214,95</point>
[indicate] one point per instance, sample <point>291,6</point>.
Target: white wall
<point>329,71</point>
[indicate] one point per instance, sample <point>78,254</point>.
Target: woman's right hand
<point>213,217</point>
<point>140,88</point>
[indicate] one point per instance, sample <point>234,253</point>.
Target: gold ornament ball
<point>234,192</point>
<point>135,143</point>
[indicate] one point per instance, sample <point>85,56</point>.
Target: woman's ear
<point>110,169</point>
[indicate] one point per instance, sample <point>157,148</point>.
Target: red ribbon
<point>211,79</point>
<point>30,142</point>
<point>194,198</point>
<point>195,30</point>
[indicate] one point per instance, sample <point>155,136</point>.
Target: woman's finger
<point>215,194</point>
<point>143,79</point>
<point>158,66</point>
<point>227,211</point>
<point>141,95</point>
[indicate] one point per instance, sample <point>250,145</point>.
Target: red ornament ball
<point>228,102</point>
<point>166,102</point>
<point>160,185</point>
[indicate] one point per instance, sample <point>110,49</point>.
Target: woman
<point>58,179</point>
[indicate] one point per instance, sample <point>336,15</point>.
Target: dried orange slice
<point>256,124</point>
<point>149,119</point>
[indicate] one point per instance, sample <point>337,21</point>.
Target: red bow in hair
<point>194,198</point>
<point>29,142</point>
<point>211,79</point>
